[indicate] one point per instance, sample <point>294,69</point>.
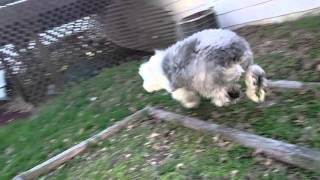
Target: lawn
<point>285,51</point>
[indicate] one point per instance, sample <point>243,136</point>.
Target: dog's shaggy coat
<point>208,63</point>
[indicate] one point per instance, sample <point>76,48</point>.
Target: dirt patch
<point>7,117</point>
<point>15,109</point>
<point>270,39</point>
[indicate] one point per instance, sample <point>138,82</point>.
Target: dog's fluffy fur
<point>208,63</point>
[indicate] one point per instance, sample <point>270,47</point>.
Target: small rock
<point>257,152</point>
<point>318,67</point>
<point>215,115</point>
<point>156,147</point>
<point>89,53</point>
<point>199,150</point>
<point>307,64</point>
<point>200,139</point>
<point>97,115</point>
<point>93,98</point>
<point>222,159</point>
<point>9,150</point>
<point>147,143</point>
<point>60,167</point>
<point>223,143</point>
<point>146,155</point>
<point>267,43</point>
<point>194,114</point>
<point>216,138</point>
<point>268,162</point>
<point>185,139</point>
<point>172,133</point>
<point>267,103</point>
<point>103,149</point>
<point>130,127</point>
<point>127,155</point>
<point>300,120</point>
<point>132,109</point>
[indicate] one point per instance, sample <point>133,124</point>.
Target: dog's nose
<point>233,94</point>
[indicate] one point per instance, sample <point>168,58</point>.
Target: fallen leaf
<point>128,155</point>
<point>179,166</point>
<point>153,135</point>
<point>234,173</point>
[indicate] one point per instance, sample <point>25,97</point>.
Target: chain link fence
<point>45,44</point>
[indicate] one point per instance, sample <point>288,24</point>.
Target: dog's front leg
<point>220,97</point>
<point>256,83</point>
<point>188,99</point>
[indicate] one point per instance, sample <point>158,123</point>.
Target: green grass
<point>178,157</point>
<point>73,117</point>
<point>181,154</point>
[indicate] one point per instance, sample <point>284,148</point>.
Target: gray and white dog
<point>208,63</point>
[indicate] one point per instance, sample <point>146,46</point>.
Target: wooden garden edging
<point>61,158</point>
<point>289,153</point>
<point>285,84</point>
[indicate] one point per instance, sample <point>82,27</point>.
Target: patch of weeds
<point>309,23</point>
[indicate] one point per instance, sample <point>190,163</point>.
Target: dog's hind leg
<point>187,98</point>
<point>256,83</point>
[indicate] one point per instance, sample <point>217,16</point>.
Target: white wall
<point>3,93</point>
<point>235,13</point>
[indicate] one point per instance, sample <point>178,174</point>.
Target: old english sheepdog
<point>208,63</point>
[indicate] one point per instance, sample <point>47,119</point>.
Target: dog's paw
<point>256,83</point>
<point>191,105</point>
<point>188,99</point>
<point>220,102</point>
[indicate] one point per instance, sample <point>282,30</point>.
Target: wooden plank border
<point>70,153</point>
<point>289,153</point>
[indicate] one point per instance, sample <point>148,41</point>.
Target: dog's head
<point>152,73</point>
